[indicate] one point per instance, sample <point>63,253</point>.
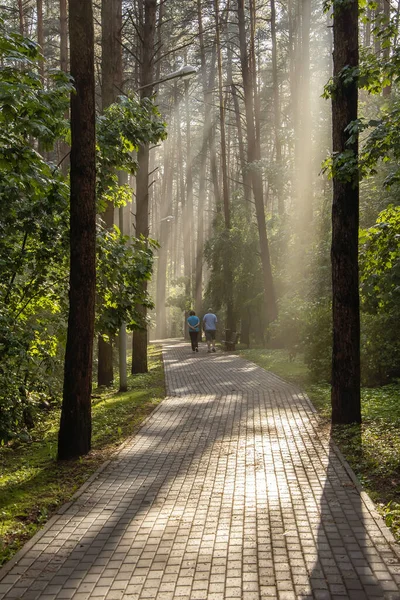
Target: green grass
<point>33,484</point>
<point>372,450</point>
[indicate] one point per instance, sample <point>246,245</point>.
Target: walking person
<point>194,328</point>
<point>210,327</point>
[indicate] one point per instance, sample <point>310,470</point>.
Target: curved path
<point>231,489</point>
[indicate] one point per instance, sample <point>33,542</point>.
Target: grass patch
<point>33,484</point>
<point>372,450</point>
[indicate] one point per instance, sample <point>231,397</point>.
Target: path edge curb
<point>4,569</point>
<point>364,496</point>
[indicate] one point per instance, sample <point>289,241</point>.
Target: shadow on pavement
<point>353,556</point>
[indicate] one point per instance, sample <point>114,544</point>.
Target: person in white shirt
<point>210,327</point>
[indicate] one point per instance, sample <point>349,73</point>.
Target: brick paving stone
<point>230,490</point>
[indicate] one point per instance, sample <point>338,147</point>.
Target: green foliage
<point>123,264</point>
<point>383,143</point>
<point>238,250</point>
<point>287,329</point>
<point>343,166</point>
<point>380,297</point>
<point>124,125</point>
<point>379,262</point>
<point>34,230</point>
<point>33,234</point>
<point>318,339</point>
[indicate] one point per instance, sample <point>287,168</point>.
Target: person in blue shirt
<point>194,328</point>
<point>210,327</point>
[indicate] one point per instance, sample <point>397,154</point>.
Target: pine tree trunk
<point>345,220</point>
<point>105,371</point>
<point>185,246</point>
<point>40,35</point>
<point>111,83</point>
<point>228,276</point>
<point>63,36</point>
<point>202,168</point>
<point>189,194</point>
<point>277,111</point>
<point>305,197</point>
<point>386,50</point>
<point>74,437</point>
<point>165,225</point>
<point>238,120</point>
<point>254,156</point>
<point>245,327</point>
<point>63,148</point>
<point>139,338</point>
<point>21,17</point>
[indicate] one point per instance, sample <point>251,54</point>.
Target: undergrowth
<point>33,484</point>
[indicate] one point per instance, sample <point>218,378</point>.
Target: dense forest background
<point>212,190</point>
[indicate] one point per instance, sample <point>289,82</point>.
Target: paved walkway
<point>230,490</point>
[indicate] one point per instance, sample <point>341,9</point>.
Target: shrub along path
<point>231,489</point>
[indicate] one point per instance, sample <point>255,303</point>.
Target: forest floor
<point>33,484</point>
<point>372,450</point>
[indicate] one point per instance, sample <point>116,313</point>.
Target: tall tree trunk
<point>74,438</point>
<point>214,170</point>
<point>345,219</point>
<point>189,193</point>
<point>139,338</point>
<point>182,196</point>
<point>386,50</point>
<point>122,338</point>
<point>228,275</point>
<point>253,157</point>
<point>184,244</point>
<point>165,227</point>
<point>238,120</point>
<point>305,198</point>
<point>377,38</point>
<point>213,154</point>
<point>63,36</point>
<point>40,35</point>
<point>21,17</point>
<point>110,73</point>
<point>64,148</point>
<point>277,110</point>
<point>203,167</point>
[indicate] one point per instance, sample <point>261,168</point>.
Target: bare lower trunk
<point>139,337</point>
<point>105,372</point>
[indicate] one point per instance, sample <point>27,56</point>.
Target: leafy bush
<point>34,230</point>
<point>380,298</point>
<point>287,330</point>
<point>318,339</point>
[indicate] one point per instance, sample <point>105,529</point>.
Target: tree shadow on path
<point>355,554</point>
